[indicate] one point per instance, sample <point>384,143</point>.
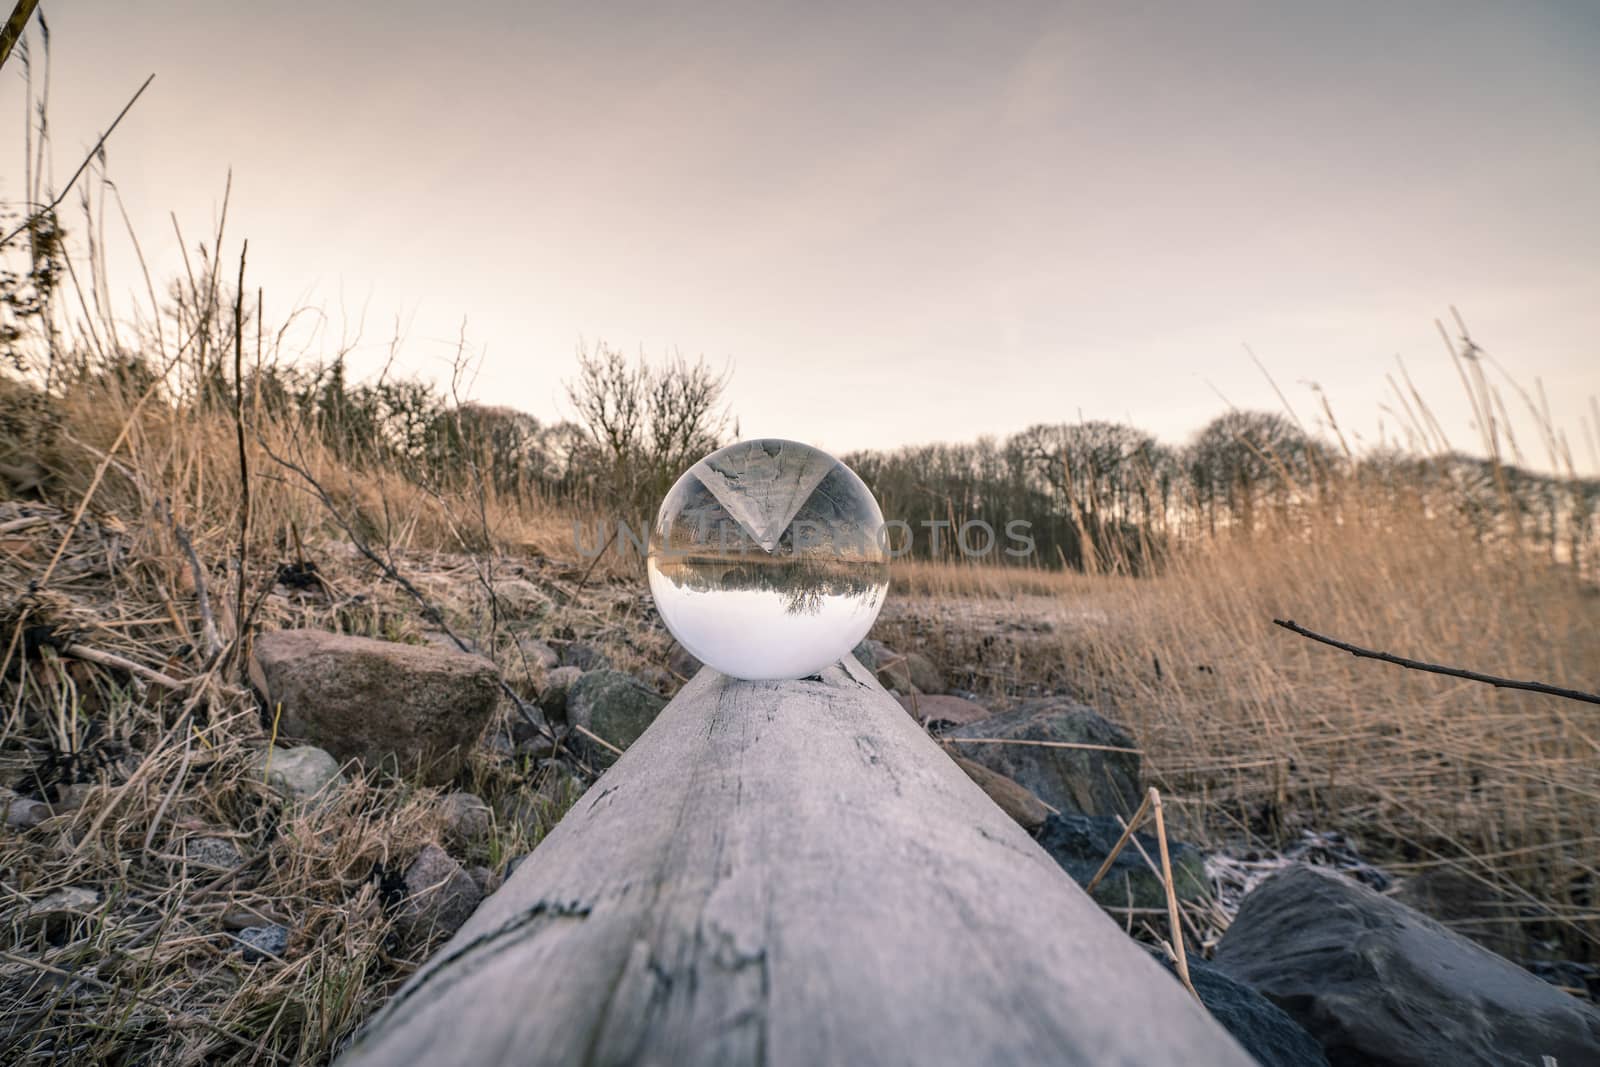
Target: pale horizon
<point>893,228</point>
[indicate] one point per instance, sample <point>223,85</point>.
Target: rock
<point>1091,781</point>
<point>514,862</point>
<point>943,712</point>
<point>440,896</point>
<point>22,813</point>
<point>521,599</point>
<point>924,675</point>
<point>888,665</point>
<point>1013,799</point>
<point>1264,1029</point>
<point>263,942</point>
<point>62,908</point>
<point>1453,897</point>
<point>301,774</point>
<point>582,656</point>
<point>1081,843</point>
<point>1379,983</point>
<point>467,819</point>
<point>682,662</point>
<point>216,852</point>
<point>412,708</point>
<point>661,680</point>
<point>553,697</point>
<point>484,878</point>
<point>867,651</point>
<point>613,705</point>
<point>533,655</point>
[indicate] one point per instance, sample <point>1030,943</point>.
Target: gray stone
<point>61,908</point>
<point>22,813</point>
<point>924,675</point>
<point>485,879</point>
<point>300,774</point>
<point>263,942</point>
<point>1264,1029</point>
<point>1081,843</point>
<point>411,708</point>
<point>940,712</point>
<point>613,705</point>
<point>1379,983</point>
<point>1092,780</point>
<point>467,819</point>
<point>440,896</point>
<point>888,665</point>
<point>216,852</point>
<point>534,655</point>
<point>583,656</point>
<point>1467,905</point>
<point>553,695</point>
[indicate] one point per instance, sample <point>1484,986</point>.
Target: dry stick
<point>596,738</point>
<point>244,463</point>
<point>1122,843</point>
<point>107,659</point>
<point>1045,744</point>
<point>12,33</point>
<point>1180,955</point>
<point>52,205</point>
<point>1435,668</point>
<point>208,623</point>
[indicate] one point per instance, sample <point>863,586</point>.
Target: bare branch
<point>1435,668</point>
<point>52,205</point>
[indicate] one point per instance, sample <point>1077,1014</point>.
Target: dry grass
<point>1254,733</point>
<point>152,970</point>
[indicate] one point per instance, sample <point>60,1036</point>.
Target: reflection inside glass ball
<point>766,560</point>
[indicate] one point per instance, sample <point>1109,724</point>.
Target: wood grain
<point>790,873</point>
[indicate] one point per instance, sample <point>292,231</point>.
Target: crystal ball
<point>767,560</point>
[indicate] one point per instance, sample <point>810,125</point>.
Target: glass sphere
<point>767,560</point>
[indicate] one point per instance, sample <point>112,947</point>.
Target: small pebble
<point>263,942</point>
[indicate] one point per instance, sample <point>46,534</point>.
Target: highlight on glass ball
<point>767,560</point>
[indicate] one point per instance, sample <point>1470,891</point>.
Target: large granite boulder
<point>613,705</point>
<point>1264,1029</point>
<point>1379,983</point>
<point>412,708</point>
<point>1100,779</point>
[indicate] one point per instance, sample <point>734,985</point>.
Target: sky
<point>891,222</point>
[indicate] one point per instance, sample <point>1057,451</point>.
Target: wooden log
<point>790,873</point>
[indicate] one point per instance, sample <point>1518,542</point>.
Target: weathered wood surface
<point>790,873</point>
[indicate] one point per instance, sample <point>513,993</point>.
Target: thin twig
<point>1180,955</point>
<point>1435,668</point>
<point>1122,843</point>
<point>596,738</point>
<point>109,659</point>
<point>52,205</point>
<point>208,622</point>
<point>244,463</point>
<point>1044,744</point>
